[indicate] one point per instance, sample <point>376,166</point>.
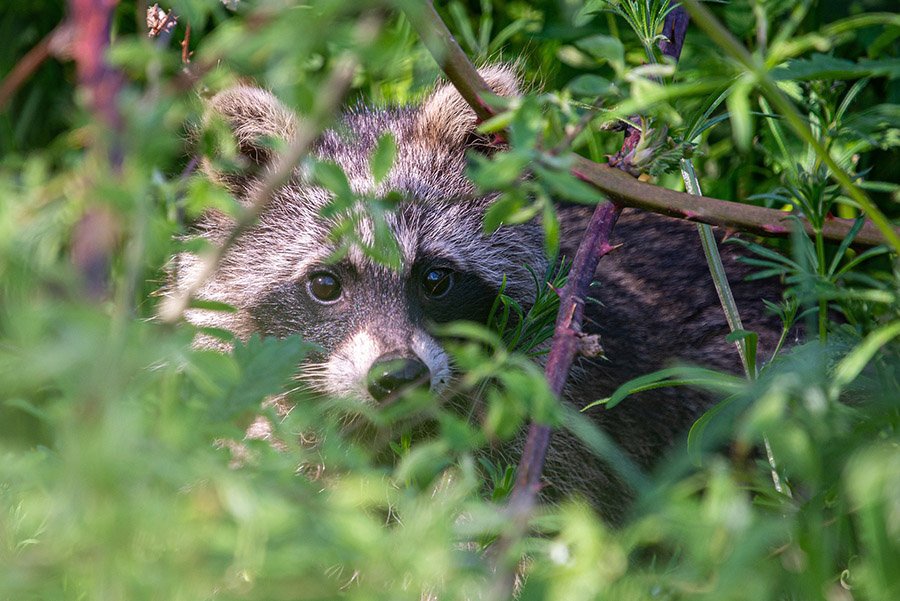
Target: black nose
<point>392,372</point>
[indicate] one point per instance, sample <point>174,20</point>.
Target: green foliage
<point>119,440</point>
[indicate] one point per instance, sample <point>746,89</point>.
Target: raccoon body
<point>656,301</point>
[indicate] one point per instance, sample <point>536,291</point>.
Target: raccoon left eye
<point>324,287</point>
<point>437,282</point>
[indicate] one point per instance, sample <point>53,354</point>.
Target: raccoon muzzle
<point>393,372</point>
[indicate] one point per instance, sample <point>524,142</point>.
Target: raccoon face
<point>371,323</point>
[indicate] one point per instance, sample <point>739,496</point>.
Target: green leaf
<point>695,435</point>
<point>504,170</point>
<point>503,210</point>
<point>566,186</point>
<point>550,222</point>
<point>738,102</point>
<point>857,359</point>
<point>824,67</point>
<point>209,305</point>
<point>266,366</point>
<point>330,175</point>
<point>750,339</point>
<point>591,86</point>
<point>383,156</point>
<point>604,48</point>
<point>674,376</point>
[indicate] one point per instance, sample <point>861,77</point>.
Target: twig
<point>52,44</point>
<point>186,45</point>
<point>565,344</point>
<point>623,189</point>
<point>94,237</point>
<point>329,98</point>
<point>450,56</point>
<point>92,20</point>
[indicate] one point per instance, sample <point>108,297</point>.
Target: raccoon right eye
<point>324,287</point>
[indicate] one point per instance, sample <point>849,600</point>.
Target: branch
<point>565,344</point>
<point>92,20</point>
<point>450,56</point>
<point>623,189</point>
<point>54,43</point>
<point>94,237</point>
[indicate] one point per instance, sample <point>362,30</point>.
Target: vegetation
<point>116,477</point>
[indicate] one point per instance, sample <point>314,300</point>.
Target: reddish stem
<point>565,344</point>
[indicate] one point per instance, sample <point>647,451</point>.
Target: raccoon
<point>655,301</point>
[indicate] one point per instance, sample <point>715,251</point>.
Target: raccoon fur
<point>657,304</point>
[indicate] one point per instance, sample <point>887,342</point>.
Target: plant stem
<point>823,303</point>
<point>627,191</point>
<point>564,346</point>
<point>717,269</point>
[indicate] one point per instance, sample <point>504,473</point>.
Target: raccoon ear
<point>256,118</point>
<point>445,118</point>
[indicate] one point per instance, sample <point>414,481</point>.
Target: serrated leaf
<point>822,66</point>
<point>738,102</point>
<point>674,376</point>
<point>591,85</point>
<point>265,366</point>
<point>604,48</point>
<point>330,175</point>
<point>383,156</point>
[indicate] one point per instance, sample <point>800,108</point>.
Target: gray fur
<point>657,303</point>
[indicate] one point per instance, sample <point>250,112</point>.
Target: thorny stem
<point>626,191</point>
<point>564,346</point>
<point>460,71</point>
<point>594,245</point>
<point>329,98</point>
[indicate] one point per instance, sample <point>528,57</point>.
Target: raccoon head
<point>371,323</point>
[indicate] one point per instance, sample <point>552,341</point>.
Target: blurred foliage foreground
<point>115,482</point>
